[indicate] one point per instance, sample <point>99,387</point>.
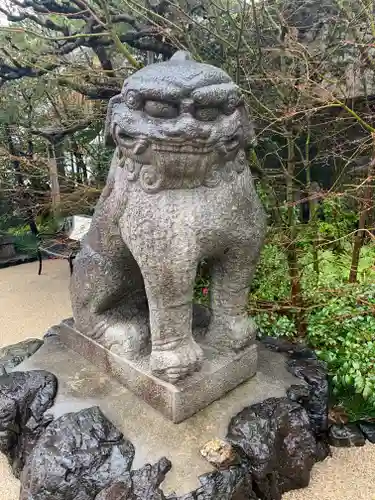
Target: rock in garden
<point>299,393</point>
<point>220,453</point>
<point>142,484</point>
<point>232,484</point>
<point>368,430</point>
<point>13,355</point>
<point>120,490</point>
<point>78,455</point>
<point>346,436</point>
<point>297,351</point>
<point>313,372</point>
<point>24,399</point>
<point>279,446</point>
<point>303,364</point>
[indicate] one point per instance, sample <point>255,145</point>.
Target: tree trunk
<point>24,197</point>
<point>292,254</point>
<point>54,178</point>
<point>60,163</point>
<point>366,204</point>
<point>14,156</point>
<point>80,163</point>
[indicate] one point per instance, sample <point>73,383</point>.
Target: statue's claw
<point>176,363</point>
<point>231,332</point>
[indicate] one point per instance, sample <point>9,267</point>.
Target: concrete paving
<point>30,304</point>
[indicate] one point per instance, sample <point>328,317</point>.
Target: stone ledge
<point>220,374</point>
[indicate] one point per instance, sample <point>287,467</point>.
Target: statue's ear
<point>248,127</point>
<point>108,128</point>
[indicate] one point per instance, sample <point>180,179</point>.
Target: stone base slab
<point>221,372</point>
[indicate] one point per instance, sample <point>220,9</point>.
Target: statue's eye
<point>159,109</point>
<point>133,100</point>
<point>206,114</point>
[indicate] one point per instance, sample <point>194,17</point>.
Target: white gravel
<point>29,305</point>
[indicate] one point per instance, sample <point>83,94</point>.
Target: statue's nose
<point>187,127</point>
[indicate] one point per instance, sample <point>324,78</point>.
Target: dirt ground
<point>30,304</point>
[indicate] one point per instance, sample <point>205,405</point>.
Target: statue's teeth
<point>140,148</point>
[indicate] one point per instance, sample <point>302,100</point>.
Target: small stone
<point>338,415</point>
<point>345,435</point>
<point>219,453</point>
<point>368,430</point>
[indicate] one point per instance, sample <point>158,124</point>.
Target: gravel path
<point>30,304</point>
<point>348,475</point>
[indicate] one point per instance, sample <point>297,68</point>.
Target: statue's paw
<point>178,362</point>
<point>128,339</point>
<point>231,332</point>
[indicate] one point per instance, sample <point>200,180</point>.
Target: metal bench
<point>64,244</point>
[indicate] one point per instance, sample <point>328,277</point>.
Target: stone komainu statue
<point>178,191</point>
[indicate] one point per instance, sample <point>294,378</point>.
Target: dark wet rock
<point>142,484</point>
<point>146,481</point>
<point>232,484</point>
<point>13,355</point>
<point>299,393</point>
<point>345,436</point>
<point>303,363</point>
<point>298,351</point>
<point>24,399</point>
<point>277,442</point>
<point>78,455</point>
<point>120,490</point>
<point>368,430</point>
<point>314,374</point>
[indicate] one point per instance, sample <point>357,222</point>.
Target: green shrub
<point>340,316</point>
<point>26,244</point>
<point>271,280</point>
<point>343,333</point>
<point>275,325</point>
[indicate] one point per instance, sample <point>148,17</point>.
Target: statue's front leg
<point>169,277</point>
<point>230,326</point>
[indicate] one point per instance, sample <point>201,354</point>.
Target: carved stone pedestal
<point>221,372</point>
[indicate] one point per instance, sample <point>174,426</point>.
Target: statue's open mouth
<point>174,147</point>
<point>138,145</point>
